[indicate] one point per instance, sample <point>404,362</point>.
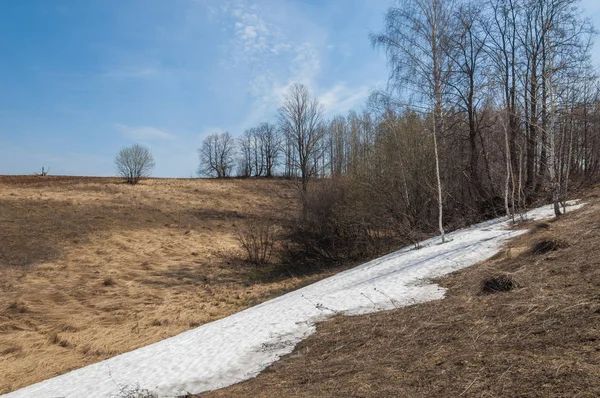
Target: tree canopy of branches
<point>300,119</point>
<point>134,163</point>
<point>217,155</point>
<point>260,148</point>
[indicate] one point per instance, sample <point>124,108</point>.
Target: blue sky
<point>79,79</point>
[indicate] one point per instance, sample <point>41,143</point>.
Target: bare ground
<point>91,267</point>
<point>541,339</point>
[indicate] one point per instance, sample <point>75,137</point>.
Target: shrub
<point>133,163</point>
<point>338,223</point>
<point>258,241</point>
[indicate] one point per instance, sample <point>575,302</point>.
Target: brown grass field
<point>92,267</point>
<point>541,339</point>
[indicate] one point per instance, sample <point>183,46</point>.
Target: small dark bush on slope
<point>258,241</point>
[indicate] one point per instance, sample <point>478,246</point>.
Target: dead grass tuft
<point>55,339</point>
<point>544,246</point>
<point>108,282</point>
<point>11,349</point>
<point>498,284</point>
<point>17,307</point>
<point>540,226</point>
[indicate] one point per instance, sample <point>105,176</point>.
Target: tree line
<point>491,107</point>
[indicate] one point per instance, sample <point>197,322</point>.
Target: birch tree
<point>416,41</point>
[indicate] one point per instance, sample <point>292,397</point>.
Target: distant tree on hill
<point>217,155</point>
<point>259,150</point>
<point>134,163</point>
<point>301,121</point>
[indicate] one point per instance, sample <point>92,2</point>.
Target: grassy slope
<point>90,267</point>
<point>540,340</point>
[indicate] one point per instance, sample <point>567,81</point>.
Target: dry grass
<point>541,339</point>
<point>91,267</point>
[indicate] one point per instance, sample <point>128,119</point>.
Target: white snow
<point>240,346</point>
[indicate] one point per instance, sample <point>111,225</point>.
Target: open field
<point>91,267</point>
<point>541,339</point>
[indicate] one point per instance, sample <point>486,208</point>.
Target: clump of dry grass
<point>108,282</point>
<point>540,226</point>
<point>547,245</point>
<point>55,339</point>
<point>17,307</point>
<point>498,284</point>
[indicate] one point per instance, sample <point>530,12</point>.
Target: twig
<point>319,306</point>
<point>374,305</point>
<point>469,386</point>
<point>389,298</point>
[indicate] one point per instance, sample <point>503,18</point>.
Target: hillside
<point>541,339</point>
<point>91,267</point>
<point>240,346</point>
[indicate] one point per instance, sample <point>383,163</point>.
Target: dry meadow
<point>91,267</point>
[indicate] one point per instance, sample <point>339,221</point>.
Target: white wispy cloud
<point>341,98</point>
<point>143,132</point>
<point>254,38</point>
<point>278,47</point>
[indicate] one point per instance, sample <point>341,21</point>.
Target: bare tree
<point>501,30</point>
<point>337,145</point>
<point>566,43</point>
<point>300,118</point>
<point>468,59</point>
<point>246,159</point>
<point>270,142</point>
<point>216,155</point>
<point>416,41</point>
<point>134,163</point>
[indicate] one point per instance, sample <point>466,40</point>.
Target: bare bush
<point>338,223</point>
<point>258,241</point>
<point>134,163</point>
